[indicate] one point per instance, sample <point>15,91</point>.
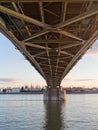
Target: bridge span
<point>52,34</point>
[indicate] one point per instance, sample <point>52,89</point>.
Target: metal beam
<point>66,57</point>
<point>44,61</point>
<point>90,4</point>
<point>44,58</point>
<point>64,10</point>
<point>51,65</point>
<point>51,12</point>
<point>70,45</point>
<point>22,17</point>
<point>40,33</point>
<point>80,53</point>
<point>38,54</point>
<point>42,11</point>
<point>78,18</point>
<point>47,51</point>
<point>63,32</point>
<point>66,53</point>
<point>70,1</point>
<point>58,55</point>
<point>34,45</point>
<point>16,8</point>
<point>62,61</point>
<point>22,48</point>
<point>52,41</point>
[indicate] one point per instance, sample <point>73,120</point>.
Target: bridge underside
<point>52,34</point>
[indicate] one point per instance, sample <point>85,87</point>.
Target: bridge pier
<point>54,94</point>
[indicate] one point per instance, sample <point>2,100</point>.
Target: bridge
<point>52,34</point>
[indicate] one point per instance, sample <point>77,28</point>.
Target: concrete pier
<point>54,94</point>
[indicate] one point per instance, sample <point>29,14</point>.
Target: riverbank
<point>42,93</point>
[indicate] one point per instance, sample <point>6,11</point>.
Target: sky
<point>16,71</point>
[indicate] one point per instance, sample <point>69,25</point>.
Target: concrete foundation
<point>54,94</point>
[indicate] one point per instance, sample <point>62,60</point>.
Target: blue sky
<point>16,71</point>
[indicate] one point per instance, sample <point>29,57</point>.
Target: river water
<point>30,112</point>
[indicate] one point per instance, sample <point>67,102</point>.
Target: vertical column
<point>55,94</point>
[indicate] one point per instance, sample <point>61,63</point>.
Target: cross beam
<point>22,17</point>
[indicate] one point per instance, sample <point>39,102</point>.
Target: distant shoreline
<point>42,93</point>
<point>23,93</point>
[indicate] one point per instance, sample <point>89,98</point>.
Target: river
<point>30,112</point>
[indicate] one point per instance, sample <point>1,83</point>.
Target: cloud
<point>93,51</point>
<point>7,80</point>
<point>83,80</point>
<point>77,80</point>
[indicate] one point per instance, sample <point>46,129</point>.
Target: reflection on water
<point>53,118</point>
<point>29,112</point>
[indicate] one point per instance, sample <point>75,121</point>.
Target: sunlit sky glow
<point>16,71</point>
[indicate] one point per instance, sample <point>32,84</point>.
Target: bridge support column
<point>55,94</point>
